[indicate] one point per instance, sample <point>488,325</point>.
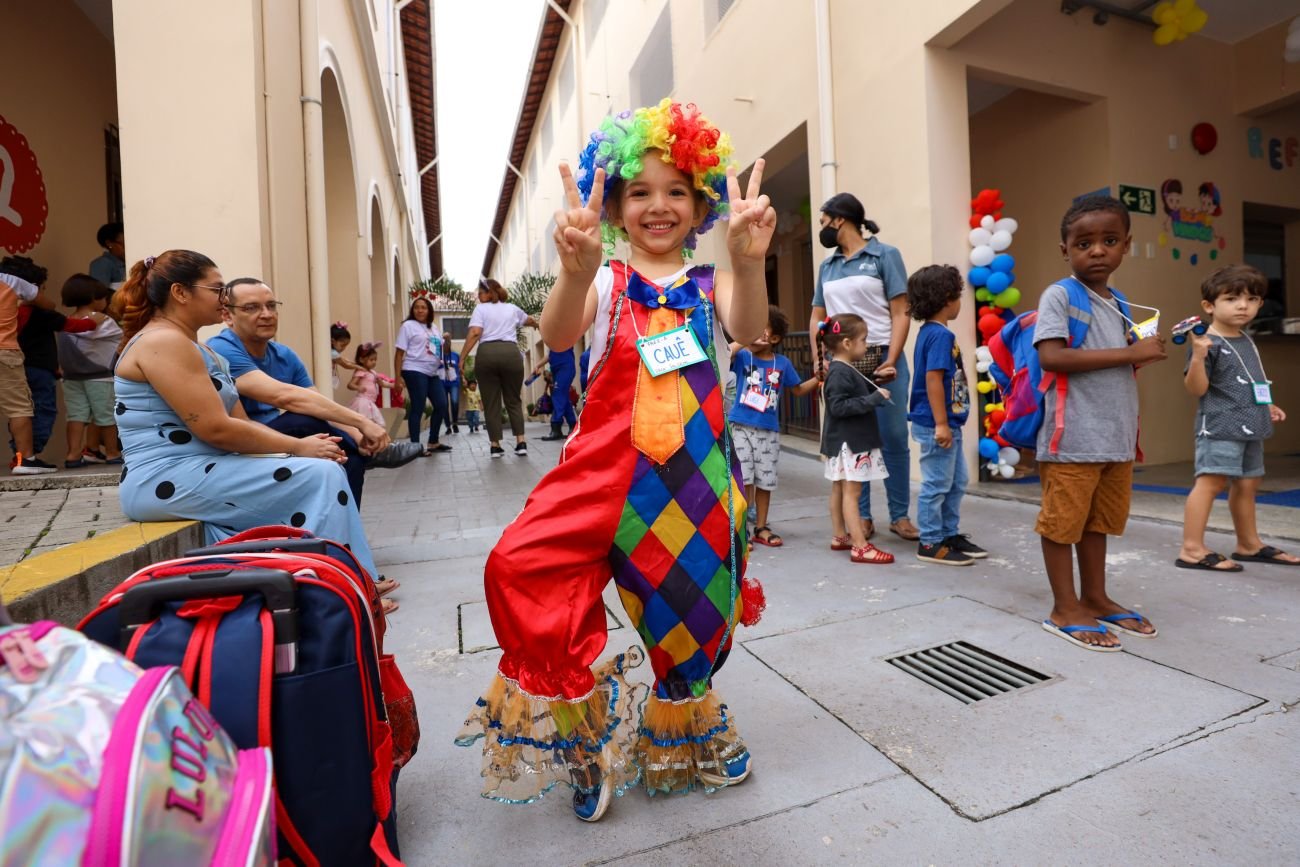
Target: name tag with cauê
<point>669,351</point>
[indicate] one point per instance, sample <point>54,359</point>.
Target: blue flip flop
<point>1111,621</point>
<point>1067,632</point>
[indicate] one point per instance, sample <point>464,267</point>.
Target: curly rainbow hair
<point>684,137</point>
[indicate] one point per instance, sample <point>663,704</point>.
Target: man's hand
<point>373,438</point>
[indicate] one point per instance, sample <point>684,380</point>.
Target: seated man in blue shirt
<point>271,378</point>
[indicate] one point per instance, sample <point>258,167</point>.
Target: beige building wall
<point>213,153</point>
<point>1087,107</point>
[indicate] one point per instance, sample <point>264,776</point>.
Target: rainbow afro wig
<point>684,137</point>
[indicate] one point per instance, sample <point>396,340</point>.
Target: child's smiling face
<point>659,207</point>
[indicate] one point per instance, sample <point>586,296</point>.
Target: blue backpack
<point>1019,375</point>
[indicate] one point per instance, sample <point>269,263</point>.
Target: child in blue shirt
<point>762,376</point>
<point>939,406</point>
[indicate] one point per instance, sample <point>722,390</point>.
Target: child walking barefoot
<point>851,434</point>
<point>366,382</point>
<point>647,489</point>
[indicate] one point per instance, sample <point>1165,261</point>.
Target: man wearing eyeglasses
<point>277,391</point>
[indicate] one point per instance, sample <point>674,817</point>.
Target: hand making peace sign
<point>753,219</point>
<point>577,230</point>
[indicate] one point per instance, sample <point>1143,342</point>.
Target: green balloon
<point>982,295</point>
<point>1008,297</point>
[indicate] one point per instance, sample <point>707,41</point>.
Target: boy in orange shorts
<point>1087,467</point>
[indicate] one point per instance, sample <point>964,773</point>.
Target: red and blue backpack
<point>1020,376</point>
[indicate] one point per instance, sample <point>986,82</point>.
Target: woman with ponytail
<point>190,450</point>
<point>864,277</point>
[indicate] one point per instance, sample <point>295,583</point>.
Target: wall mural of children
<point>1193,221</point>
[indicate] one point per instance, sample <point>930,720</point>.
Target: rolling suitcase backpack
<point>281,648</point>
<point>103,763</point>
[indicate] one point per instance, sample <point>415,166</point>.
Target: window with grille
<point>457,325</point>
<point>652,73</point>
<point>713,12</point>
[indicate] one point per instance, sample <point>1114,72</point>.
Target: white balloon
<point>992,466</point>
<point>987,222</point>
<point>983,353</point>
<point>1006,224</point>
<point>983,366</point>
<point>980,237</point>
<point>1007,471</point>
<point>1000,241</point>
<point>981,256</point>
<point>1009,456</point>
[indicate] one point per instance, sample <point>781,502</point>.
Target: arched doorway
<point>380,324</point>
<point>342,231</point>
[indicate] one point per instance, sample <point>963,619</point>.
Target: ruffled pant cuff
<point>532,744</point>
<point>687,745</point>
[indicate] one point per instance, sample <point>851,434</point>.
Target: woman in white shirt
<point>418,356</point>
<point>499,365</point>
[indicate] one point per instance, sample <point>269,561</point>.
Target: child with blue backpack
<point>1087,443</point>
<point>940,405</point>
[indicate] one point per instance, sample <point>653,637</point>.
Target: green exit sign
<point>1139,200</point>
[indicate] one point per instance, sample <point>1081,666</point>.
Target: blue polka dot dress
<point>171,474</point>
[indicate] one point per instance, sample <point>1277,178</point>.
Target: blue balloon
<point>1003,262</point>
<point>998,281</point>
<point>978,276</point>
<point>988,449</point>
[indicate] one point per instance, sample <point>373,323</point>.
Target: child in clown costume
<point>647,490</point>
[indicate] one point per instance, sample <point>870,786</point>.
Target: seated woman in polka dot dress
<point>190,450</point>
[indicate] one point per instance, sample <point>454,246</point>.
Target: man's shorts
<point>758,451</point>
<point>89,401</point>
<point>1236,459</point>
<point>1083,498</point>
<point>15,396</point>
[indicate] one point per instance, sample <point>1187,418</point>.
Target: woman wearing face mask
<point>867,278</point>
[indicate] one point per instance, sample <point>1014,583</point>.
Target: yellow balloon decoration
<point>984,386</point>
<point>1177,20</point>
<point>992,407</point>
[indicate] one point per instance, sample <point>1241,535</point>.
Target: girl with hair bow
<point>367,382</point>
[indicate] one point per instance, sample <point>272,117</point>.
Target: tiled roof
<point>417,43</point>
<point>548,43</point>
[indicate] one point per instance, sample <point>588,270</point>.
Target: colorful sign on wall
<point>23,207</point>
<point>1191,220</point>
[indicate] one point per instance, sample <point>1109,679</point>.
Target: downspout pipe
<point>313,134</point>
<point>825,98</point>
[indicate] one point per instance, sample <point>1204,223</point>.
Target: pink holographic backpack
<point>104,763</point>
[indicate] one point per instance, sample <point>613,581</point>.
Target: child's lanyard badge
<point>678,347</point>
<point>756,395</point>
<point>1263,390</point>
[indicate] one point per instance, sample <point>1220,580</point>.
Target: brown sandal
<point>390,605</point>
<point>386,586</point>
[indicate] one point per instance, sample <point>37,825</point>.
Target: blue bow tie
<point>682,296</point>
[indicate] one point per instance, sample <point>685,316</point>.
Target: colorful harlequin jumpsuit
<point>647,491</point>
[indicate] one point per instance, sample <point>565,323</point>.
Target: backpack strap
<point>1079,313</point>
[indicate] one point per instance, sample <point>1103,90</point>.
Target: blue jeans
<point>892,418</point>
<point>421,388</point>
<point>473,418</point>
<point>562,407</point>
<point>45,406</point>
<point>453,404</point>
<point>943,484</point>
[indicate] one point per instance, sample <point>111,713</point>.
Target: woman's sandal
<point>869,553</point>
<point>841,543</point>
<point>390,605</point>
<point>386,586</point>
<point>772,540</point>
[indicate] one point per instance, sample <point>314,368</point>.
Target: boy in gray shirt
<point>1087,471</point>
<point>1235,415</point>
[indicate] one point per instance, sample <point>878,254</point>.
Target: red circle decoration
<point>1204,138</point>
<point>23,206</point>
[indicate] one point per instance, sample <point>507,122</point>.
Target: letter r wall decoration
<point>23,207</point>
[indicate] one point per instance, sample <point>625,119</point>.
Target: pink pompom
<point>753,601</point>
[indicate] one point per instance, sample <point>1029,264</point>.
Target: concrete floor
<point>1180,750</point>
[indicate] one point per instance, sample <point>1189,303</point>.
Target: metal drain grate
<point>966,672</point>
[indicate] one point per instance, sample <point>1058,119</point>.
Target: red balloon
<point>997,417</point>
<point>1000,441</point>
<point>1204,137</point>
<point>989,325</point>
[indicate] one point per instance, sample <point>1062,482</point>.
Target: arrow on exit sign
<point>1139,200</point>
